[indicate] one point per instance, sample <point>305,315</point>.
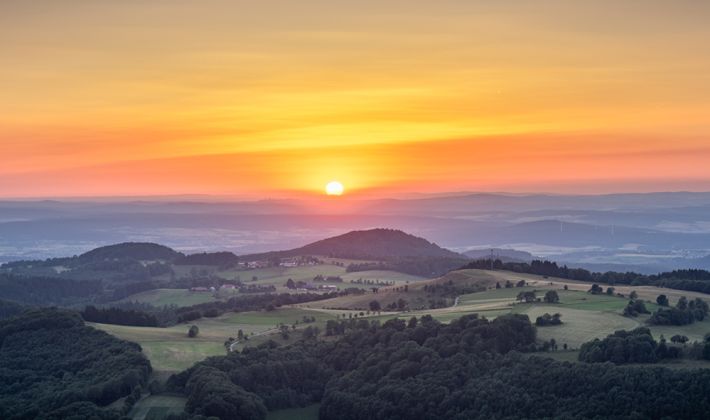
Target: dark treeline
<point>636,346</point>
<point>419,266</point>
<point>119,316</point>
<point>469,369</point>
<point>9,309</point>
<point>46,290</point>
<point>217,259</point>
<point>251,302</point>
<point>143,314</point>
<point>53,366</point>
<point>639,346</point>
<point>691,280</point>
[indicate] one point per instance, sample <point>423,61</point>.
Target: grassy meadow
<point>171,350</point>
<point>157,407</point>
<point>167,297</point>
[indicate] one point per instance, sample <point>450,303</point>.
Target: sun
<point>334,188</point>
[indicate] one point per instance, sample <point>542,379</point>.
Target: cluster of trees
<point>685,312</point>
<point>257,288</point>
<point>547,320</point>
<point>329,279</point>
<point>371,282</point>
<point>635,307</point>
<point>450,289</point>
<point>421,368</point>
<point>509,284</point>
<point>53,366</point>
<point>636,346</point>
<point>528,296</point>
<point>692,280</point>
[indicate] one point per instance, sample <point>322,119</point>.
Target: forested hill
<point>373,244</point>
<point>142,251</point>
<point>52,366</point>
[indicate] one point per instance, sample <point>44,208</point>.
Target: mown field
<point>157,407</point>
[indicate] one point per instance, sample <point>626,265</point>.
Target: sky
<point>277,98</point>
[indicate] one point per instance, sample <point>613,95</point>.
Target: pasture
<point>585,316</point>
<point>171,350</point>
<point>157,407</point>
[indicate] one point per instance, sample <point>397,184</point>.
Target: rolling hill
<point>373,244</point>
<point>142,251</point>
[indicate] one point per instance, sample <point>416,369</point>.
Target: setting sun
<point>334,188</point>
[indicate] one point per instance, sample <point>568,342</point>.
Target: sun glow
<point>334,188</point>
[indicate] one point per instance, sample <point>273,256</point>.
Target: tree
<point>547,319</point>
<point>521,283</point>
<point>633,295</point>
<point>290,284</point>
<point>551,296</point>
<point>662,300</point>
<point>682,303</point>
<point>375,306</point>
<point>596,289</point>
<point>527,297</point>
<point>284,331</point>
<point>497,285</point>
<point>634,308</point>
<point>610,291</point>
<point>240,335</point>
<point>412,322</point>
<point>193,331</point>
<point>679,339</point>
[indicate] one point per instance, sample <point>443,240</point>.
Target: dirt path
<point>265,332</point>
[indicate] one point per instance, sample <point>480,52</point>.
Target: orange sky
<point>277,98</point>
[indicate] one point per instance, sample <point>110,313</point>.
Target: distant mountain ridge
<point>374,244</point>
<point>500,253</point>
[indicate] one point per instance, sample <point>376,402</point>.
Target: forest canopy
<point>53,366</point>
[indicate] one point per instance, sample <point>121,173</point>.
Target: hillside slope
<point>144,251</point>
<point>373,244</point>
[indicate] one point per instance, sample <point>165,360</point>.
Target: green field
<point>584,316</point>
<point>157,407</point>
<point>578,325</point>
<point>277,276</point>
<point>165,297</point>
<point>170,349</point>
<point>305,413</point>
